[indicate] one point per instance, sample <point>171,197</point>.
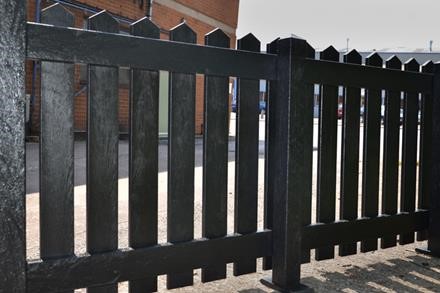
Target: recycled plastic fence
<point>407,185</point>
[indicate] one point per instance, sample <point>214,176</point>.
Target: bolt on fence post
<point>12,146</point>
<point>434,199</point>
<point>288,110</point>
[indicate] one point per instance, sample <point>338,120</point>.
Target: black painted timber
<point>390,181</point>
<point>334,73</point>
<point>371,153</point>
<point>327,147</point>
<point>12,147</point>
<point>215,157</point>
<point>350,153</point>
<point>409,151</point>
<point>290,166</point>
<point>273,120</point>
<point>434,199</point>
<point>56,149</point>
<point>143,162</point>
<point>425,149</point>
<point>123,265</point>
<point>181,151</point>
<point>81,46</point>
<point>102,154</point>
<point>246,162</point>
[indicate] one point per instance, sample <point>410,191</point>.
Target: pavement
<point>397,269</point>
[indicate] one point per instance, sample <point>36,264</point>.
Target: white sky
<point>370,24</point>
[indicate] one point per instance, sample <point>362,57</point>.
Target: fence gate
<point>400,182</point>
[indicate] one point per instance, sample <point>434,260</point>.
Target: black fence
<point>289,234</point>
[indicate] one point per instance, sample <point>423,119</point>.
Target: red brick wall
<point>225,11</point>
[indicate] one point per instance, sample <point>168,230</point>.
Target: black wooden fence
<point>289,234</point>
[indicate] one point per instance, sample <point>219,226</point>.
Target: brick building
<point>201,15</point>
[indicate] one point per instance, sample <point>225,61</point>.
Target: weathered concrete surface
<point>12,163</point>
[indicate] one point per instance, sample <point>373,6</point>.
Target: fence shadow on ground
<point>252,291</point>
<point>412,274</point>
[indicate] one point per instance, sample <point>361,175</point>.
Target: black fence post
<point>434,199</point>
<point>291,123</point>
<point>12,146</point>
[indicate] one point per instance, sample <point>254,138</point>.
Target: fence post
<point>434,200</point>
<point>289,111</point>
<point>12,146</point>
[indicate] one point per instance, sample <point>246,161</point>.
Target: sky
<point>372,24</point>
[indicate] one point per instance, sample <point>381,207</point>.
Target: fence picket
<point>327,141</point>
<point>215,152</point>
<point>246,162</point>
<point>390,182</point>
<point>271,151</point>
<point>102,153</point>
<point>181,156</point>
<point>56,149</point>
<point>409,151</point>
<point>425,157</point>
<point>143,163</point>
<point>371,154</point>
<point>308,152</point>
<point>350,153</point>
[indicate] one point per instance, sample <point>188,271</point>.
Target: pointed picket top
<point>428,67</point>
<point>292,45</point>
<point>293,36</point>
<point>249,43</point>
<point>393,63</point>
<point>374,59</point>
<point>217,38</point>
<point>272,47</point>
<point>310,51</point>
<point>103,21</point>
<point>57,15</point>
<point>144,27</point>
<point>329,54</point>
<point>183,33</point>
<point>412,65</point>
<point>353,57</point>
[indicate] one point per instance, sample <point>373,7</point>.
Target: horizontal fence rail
<point>335,73</point>
<point>345,232</point>
<point>53,43</point>
<point>119,266</point>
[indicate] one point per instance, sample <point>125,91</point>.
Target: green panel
<point>163,103</point>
